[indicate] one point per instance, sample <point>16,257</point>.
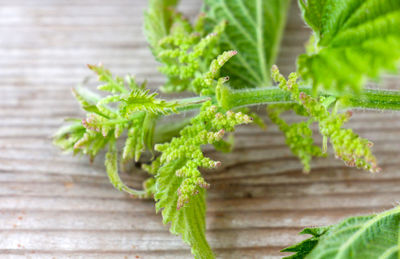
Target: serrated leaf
<point>303,248</point>
<point>143,100</point>
<point>188,221</point>
<point>354,40</point>
<point>179,183</point>
<point>373,236</point>
<point>112,84</point>
<point>254,29</point>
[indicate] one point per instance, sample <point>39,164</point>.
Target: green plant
<point>352,41</point>
<point>372,236</point>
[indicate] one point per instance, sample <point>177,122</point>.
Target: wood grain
<point>53,205</point>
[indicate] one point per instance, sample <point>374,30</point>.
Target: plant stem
<point>191,103</point>
<point>229,99</point>
<point>373,99</point>
<point>367,99</point>
<point>184,104</point>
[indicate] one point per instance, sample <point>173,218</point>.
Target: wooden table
<point>53,205</point>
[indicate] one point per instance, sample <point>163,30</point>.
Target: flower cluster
<point>298,135</point>
<point>189,56</point>
<point>185,152</point>
<point>127,107</point>
<point>348,146</point>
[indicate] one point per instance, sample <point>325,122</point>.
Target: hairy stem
<point>367,99</point>
<point>191,103</point>
<point>373,99</point>
<point>229,99</point>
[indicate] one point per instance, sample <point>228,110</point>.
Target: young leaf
<point>142,100</point>
<point>134,142</point>
<point>373,236</point>
<point>136,111</point>
<point>66,137</point>
<point>254,28</point>
<point>113,85</point>
<point>111,163</point>
<point>140,136</point>
<point>354,40</point>
<point>179,184</point>
<point>158,19</point>
<point>87,99</point>
<point>188,221</point>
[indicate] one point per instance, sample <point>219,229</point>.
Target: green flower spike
<point>348,146</point>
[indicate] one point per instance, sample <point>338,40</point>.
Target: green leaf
<point>303,248</point>
<point>180,187</point>
<point>66,137</point>
<point>111,163</point>
<point>87,99</point>
<point>353,40</point>
<point>373,236</point>
<point>141,100</point>
<point>254,29</point>
<point>149,126</point>
<point>158,21</point>
<point>188,221</point>
<point>140,136</point>
<point>134,144</point>
<point>112,84</point>
<point>130,107</point>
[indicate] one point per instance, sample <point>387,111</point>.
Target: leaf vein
<point>260,41</point>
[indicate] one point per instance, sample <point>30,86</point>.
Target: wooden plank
<point>53,205</point>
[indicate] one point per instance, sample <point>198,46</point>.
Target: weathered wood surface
<point>55,206</point>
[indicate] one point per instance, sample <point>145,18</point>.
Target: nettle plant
<point>226,59</point>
